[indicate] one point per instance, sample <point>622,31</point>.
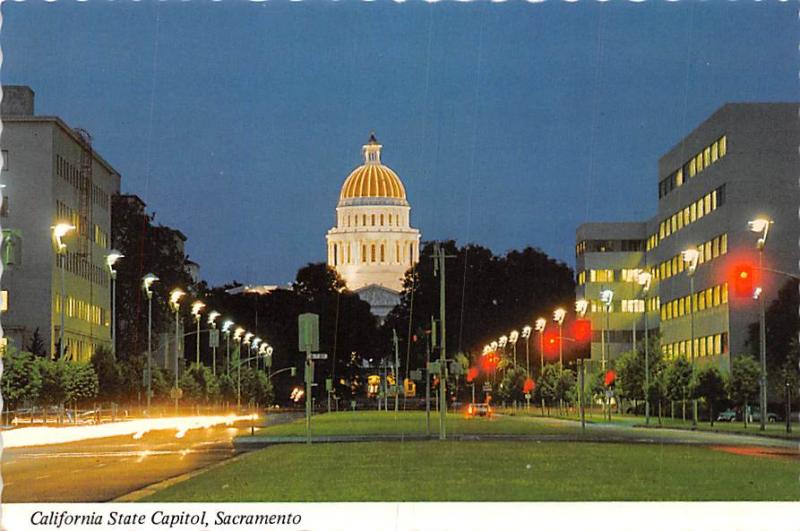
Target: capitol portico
<point>373,243</point>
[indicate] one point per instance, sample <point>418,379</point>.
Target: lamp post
<point>761,225</point>
<point>644,278</point>
<point>59,231</point>
<point>175,304</point>
<point>147,282</point>
<point>513,337</point>
<point>541,324</point>
<point>526,335</point>
<point>690,257</point>
<point>212,321</point>
<point>581,305</point>
<point>607,298</point>
<point>111,258</point>
<point>226,329</point>
<point>237,337</point>
<point>558,316</point>
<point>197,307</point>
<point>246,341</point>
<point>254,346</point>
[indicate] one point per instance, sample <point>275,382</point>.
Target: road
<point>98,470</point>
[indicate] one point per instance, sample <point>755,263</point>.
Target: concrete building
<point>738,165</point>
<point>373,243</point>
<point>53,175</point>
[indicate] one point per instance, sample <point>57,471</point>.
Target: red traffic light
<point>582,330</point>
<point>528,386</point>
<point>611,377</point>
<point>551,342</point>
<point>743,280</point>
<point>472,373</point>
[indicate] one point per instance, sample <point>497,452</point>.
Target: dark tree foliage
<point>36,346</point>
<point>148,248</point>
<point>710,385</point>
<point>486,295</point>
<point>109,375</point>
<point>783,325</point>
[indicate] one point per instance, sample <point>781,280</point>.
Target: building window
<point>372,254</point>
<point>363,254</point>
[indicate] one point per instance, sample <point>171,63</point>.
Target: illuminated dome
<point>372,179</point>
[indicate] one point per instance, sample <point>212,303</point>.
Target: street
<point>102,469</point>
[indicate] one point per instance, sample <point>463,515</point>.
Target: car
<point>479,410</point>
<point>728,415</point>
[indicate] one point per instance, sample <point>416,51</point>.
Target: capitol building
<point>373,244</point>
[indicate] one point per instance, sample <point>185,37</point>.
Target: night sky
<point>510,124</point>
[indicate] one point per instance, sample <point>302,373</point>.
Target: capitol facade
<point>373,244</point>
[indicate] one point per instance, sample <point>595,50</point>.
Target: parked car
<point>479,410</point>
<point>728,415</point>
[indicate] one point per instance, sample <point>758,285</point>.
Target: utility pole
<point>396,373</point>
<point>439,267</point>
<point>430,343</point>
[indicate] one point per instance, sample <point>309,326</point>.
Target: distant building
<point>738,165</point>
<point>53,175</point>
<point>373,243</point>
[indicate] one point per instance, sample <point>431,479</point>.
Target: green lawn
<point>490,471</point>
<point>413,423</point>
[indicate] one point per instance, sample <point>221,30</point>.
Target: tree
<point>743,384</point>
<point>256,387</point>
<point>511,387</point>
<point>200,384</point>
<point>109,374</point>
<point>36,346</point>
<point>227,388</point>
<point>630,375</point>
<point>678,379</point>
<point>549,386</point>
<point>22,380</point>
<point>710,385</point>
<point>80,382</point>
<point>565,389</point>
<point>54,384</point>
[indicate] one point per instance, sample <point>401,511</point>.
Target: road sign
<point>434,367</point>
<point>416,375</point>
<point>308,332</point>
<point>328,384</point>
<point>527,396</point>
<point>213,338</point>
<point>456,369</point>
<point>487,387</point>
<point>267,361</point>
<point>319,356</point>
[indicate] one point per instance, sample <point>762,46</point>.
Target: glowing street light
<point>212,321</point>
<point>581,305</point>
<point>690,257</point>
<point>558,316</point>
<point>147,283</point>
<point>197,307</point>
<point>761,225</point>
<point>513,337</point>
<point>111,258</point>
<point>59,231</point>
<point>237,337</point>
<point>226,329</point>
<point>175,304</point>
<point>644,278</point>
<point>607,298</point>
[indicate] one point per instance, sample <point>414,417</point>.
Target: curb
<point>138,494</point>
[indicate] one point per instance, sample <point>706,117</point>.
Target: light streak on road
<point>42,435</point>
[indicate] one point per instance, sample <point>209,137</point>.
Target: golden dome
<point>372,179</point>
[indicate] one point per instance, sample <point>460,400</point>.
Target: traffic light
<point>529,385</point>
<point>472,374</point>
<point>611,377</point>
<point>551,342</point>
<point>582,330</point>
<point>743,280</point>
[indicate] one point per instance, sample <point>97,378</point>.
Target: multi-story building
<point>738,165</point>
<point>53,175</point>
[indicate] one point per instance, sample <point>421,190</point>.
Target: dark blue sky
<point>510,124</point>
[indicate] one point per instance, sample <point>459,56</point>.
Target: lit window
<point>723,146</point>
<point>723,244</point>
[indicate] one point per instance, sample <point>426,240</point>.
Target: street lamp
<point>197,307</point>
<point>59,231</point>
<point>175,304</point>
<point>526,335</point>
<point>254,346</point>
<point>761,225</point>
<point>540,325</point>
<point>690,257</point>
<point>147,282</point>
<point>607,298</point>
<point>558,316</point>
<point>237,337</point>
<point>226,329</point>
<point>212,318</point>
<point>512,338</point>
<point>644,278</point>
<point>581,305</point>
<point>111,259</point>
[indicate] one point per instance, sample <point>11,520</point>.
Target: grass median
<point>490,471</point>
<point>413,423</point>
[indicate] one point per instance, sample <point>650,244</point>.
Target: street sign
<point>319,356</point>
<point>213,338</point>
<point>416,375</point>
<point>456,369</point>
<point>527,396</point>
<point>267,361</point>
<point>487,387</point>
<point>308,332</point>
<point>328,384</point>
<point>434,367</point>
